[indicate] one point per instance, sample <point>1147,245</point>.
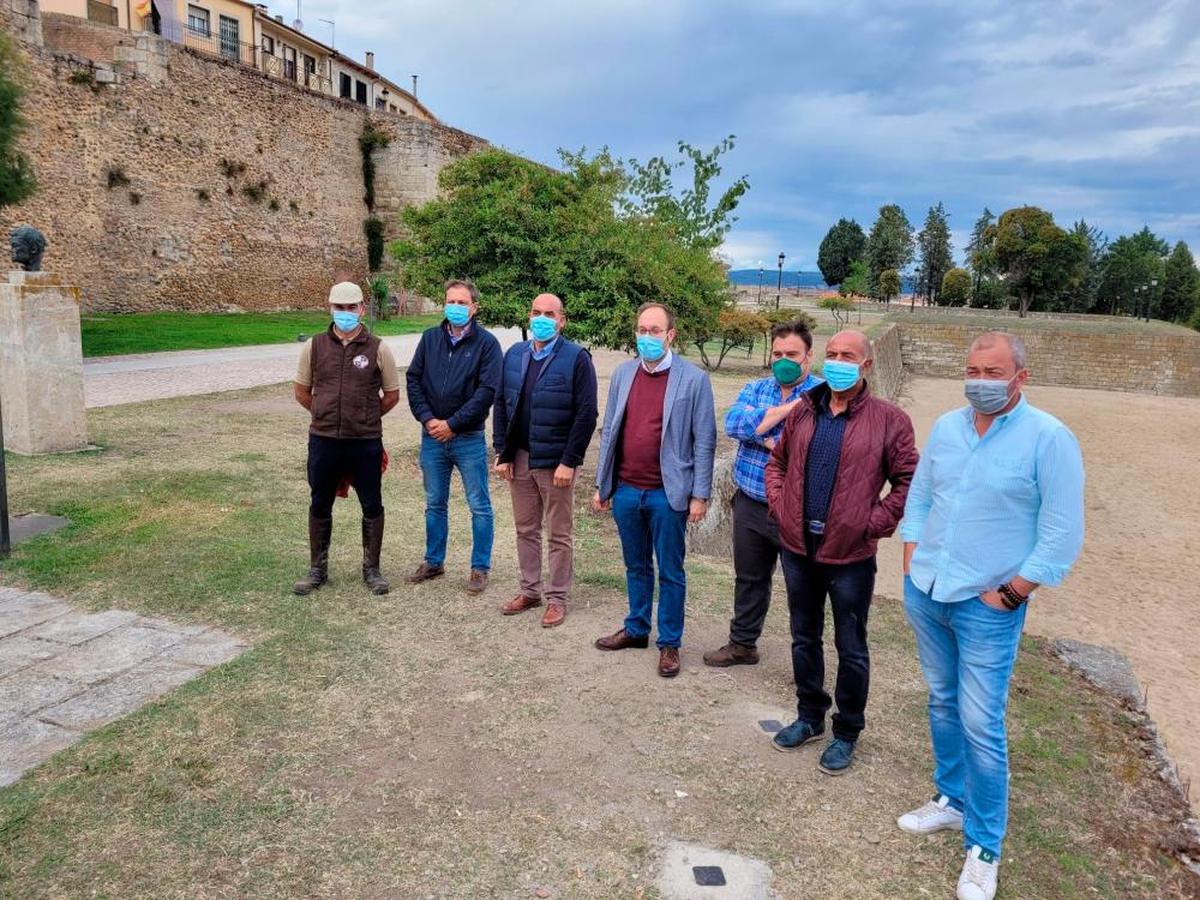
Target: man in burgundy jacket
<point>839,446</point>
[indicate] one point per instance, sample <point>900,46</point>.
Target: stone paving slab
<point>19,652</point>
<point>18,613</point>
<point>22,528</point>
<point>77,628</point>
<point>64,672</point>
<point>110,700</point>
<point>109,654</point>
<point>28,742</point>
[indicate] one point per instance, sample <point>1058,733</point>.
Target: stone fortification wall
<point>195,184</point>
<point>1162,361</point>
<point>887,374</point>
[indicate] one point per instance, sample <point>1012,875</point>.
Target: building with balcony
<point>248,34</point>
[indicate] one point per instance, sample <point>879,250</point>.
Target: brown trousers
<point>534,498</point>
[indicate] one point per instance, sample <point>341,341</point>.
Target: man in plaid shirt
<point>755,422</point>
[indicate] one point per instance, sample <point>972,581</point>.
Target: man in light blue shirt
<point>995,510</point>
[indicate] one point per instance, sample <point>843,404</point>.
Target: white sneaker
<point>979,875</point>
<point>936,815</point>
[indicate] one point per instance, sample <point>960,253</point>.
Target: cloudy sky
<point>1085,107</point>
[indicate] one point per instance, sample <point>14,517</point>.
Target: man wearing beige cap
<point>347,379</point>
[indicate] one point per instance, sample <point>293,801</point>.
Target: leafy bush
<point>735,328</point>
<point>839,307</point>
<point>373,229</point>
<point>369,141</point>
<point>380,288</point>
<point>956,288</point>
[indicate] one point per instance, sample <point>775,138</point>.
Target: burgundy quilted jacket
<point>878,447</point>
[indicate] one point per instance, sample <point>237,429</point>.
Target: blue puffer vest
<point>552,404</point>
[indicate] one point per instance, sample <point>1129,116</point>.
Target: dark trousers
<point>755,552</point>
<point>332,459</point>
<point>849,588</point>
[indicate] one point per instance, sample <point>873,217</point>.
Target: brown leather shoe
<point>555,615</point>
<point>732,654</point>
<point>519,604</point>
<point>622,641</point>
<point>668,662</point>
<point>424,572</point>
<point>477,582</point>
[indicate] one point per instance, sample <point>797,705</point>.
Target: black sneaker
<point>837,757</point>
<point>796,735</point>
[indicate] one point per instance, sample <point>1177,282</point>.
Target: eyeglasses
<point>652,332</point>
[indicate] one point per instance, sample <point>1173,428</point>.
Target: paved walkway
<point>65,672</point>
<point>113,380</point>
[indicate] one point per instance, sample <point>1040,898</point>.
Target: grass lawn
<point>420,745</point>
<point>112,335</point>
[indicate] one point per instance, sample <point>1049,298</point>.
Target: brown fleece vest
<point>345,386</point>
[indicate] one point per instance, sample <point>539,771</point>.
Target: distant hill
<point>770,278</point>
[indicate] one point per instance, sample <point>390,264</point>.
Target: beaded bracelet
<point>1010,597</point>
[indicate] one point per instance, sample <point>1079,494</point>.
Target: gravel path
<point>113,380</point>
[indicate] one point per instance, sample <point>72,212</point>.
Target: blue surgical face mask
<point>345,321</point>
<point>651,349</point>
<point>841,376</point>
<point>987,395</point>
<point>458,314</point>
<point>543,328</point>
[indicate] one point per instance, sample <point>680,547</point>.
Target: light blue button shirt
<point>984,509</point>
<point>545,351</point>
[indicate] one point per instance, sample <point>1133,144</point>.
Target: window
<point>289,63</point>
<point>380,103</point>
<point>229,38</point>
<point>268,45</point>
<point>345,87</point>
<point>360,92</point>
<point>199,21</point>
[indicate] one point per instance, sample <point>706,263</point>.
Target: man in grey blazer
<point>655,472</point>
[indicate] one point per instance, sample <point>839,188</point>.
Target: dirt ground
<point>1135,586</point>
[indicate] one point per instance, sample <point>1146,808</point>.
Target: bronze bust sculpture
<point>28,245</point>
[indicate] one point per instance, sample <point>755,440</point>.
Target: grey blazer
<point>689,433</point>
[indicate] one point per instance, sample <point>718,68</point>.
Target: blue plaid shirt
<point>742,423</point>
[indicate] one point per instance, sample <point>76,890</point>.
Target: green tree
<point>937,258</point>
<point>1037,258</point>
<point>889,284</point>
<point>1131,261</point>
<point>838,307</point>
<point>651,192</point>
<point>956,288</point>
<point>843,245</point>
<point>889,246</point>
<point>518,228</point>
<point>1180,296</point>
<point>1081,296</point>
<point>981,258</point>
<point>858,282</point>
<point>16,175</point>
<point>735,328</point>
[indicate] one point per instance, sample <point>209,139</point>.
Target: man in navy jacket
<point>452,383</point>
<point>545,418</point>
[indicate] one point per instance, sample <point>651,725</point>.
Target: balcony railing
<point>206,42</point>
<point>104,13</point>
<point>315,81</point>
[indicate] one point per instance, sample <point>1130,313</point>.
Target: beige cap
<point>345,292</point>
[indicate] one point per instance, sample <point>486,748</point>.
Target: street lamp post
<point>5,543</point>
<point>760,280</point>
<point>1150,297</point>
<point>779,285</point>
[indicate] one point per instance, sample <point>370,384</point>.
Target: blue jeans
<point>967,651</point>
<point>467,452</point>
<point>650,528</point>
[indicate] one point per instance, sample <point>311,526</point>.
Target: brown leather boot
<point>372,536</point>
<point>732,654</point>
<point>622,640</point>
<point>668,662</point>
<point>519,604</point>
<point>319,533</point>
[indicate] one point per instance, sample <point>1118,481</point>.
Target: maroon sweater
<point>641,431</point>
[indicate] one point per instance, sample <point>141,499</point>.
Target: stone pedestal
<point>41,365</point>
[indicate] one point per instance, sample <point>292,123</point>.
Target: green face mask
<point>787,371</point>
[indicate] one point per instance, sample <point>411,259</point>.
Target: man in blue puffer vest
<point>545,416</point>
